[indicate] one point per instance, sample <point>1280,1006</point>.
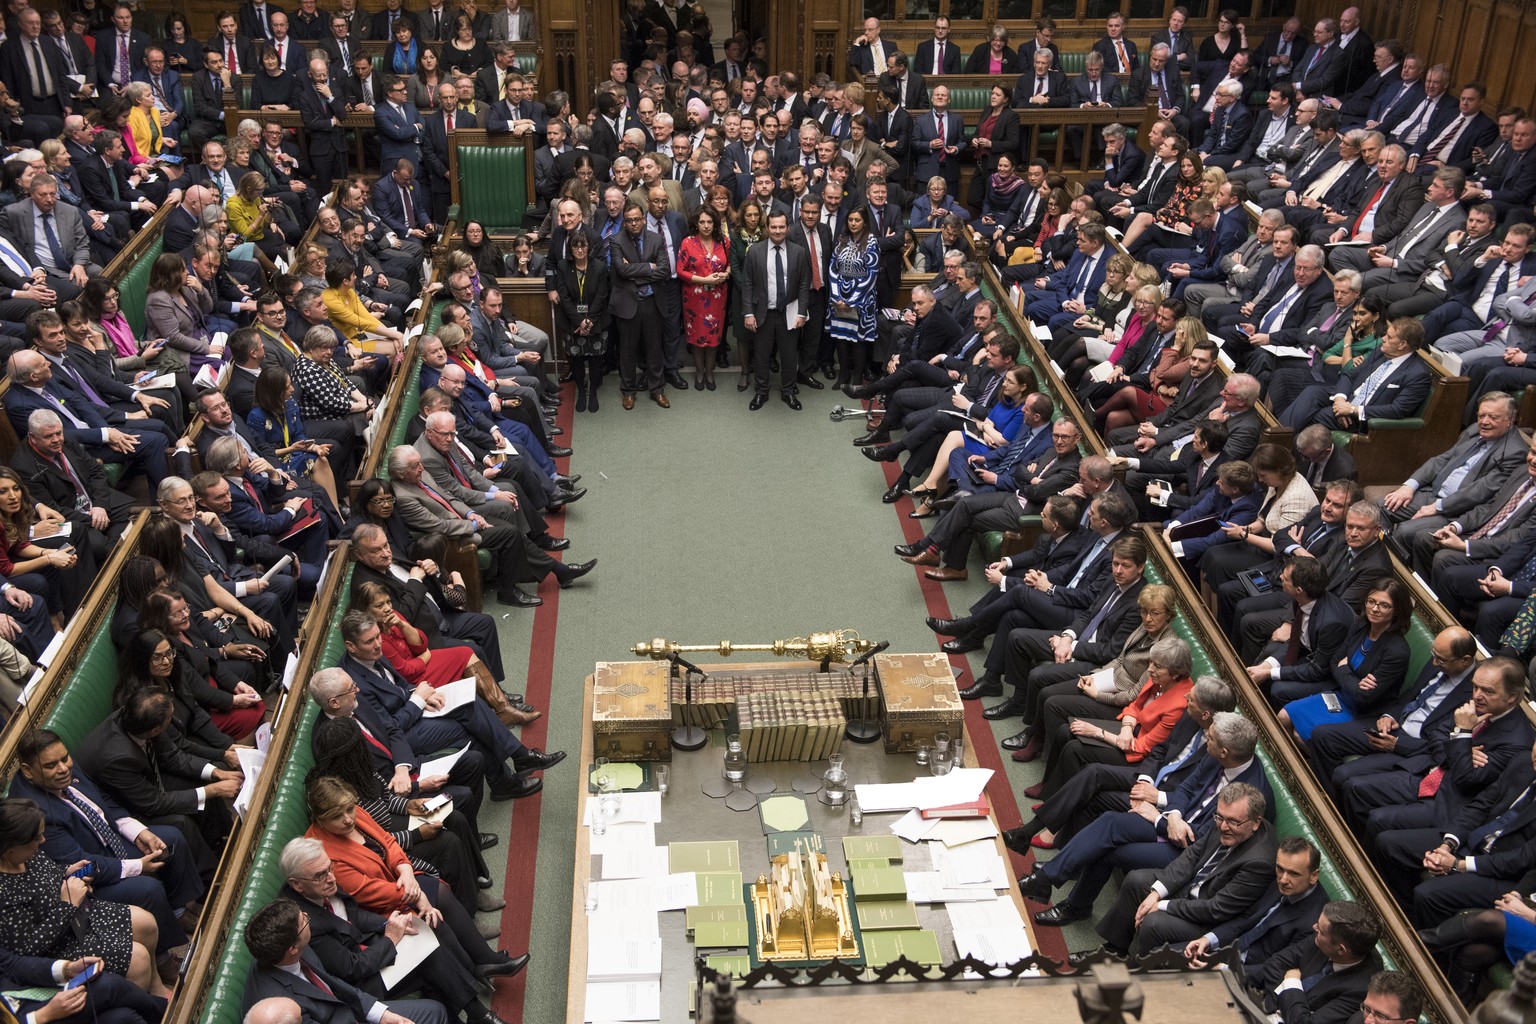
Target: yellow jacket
<point>346,310</point>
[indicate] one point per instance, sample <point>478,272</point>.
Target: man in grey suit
<point>51,236</point>
<point>1406,256</point>
<point>513,23</point>
<point>639,265</point>
<point>1464,476</point>
<point>1237,267</point>
<point>1483,532</point>
<point>777,286</point>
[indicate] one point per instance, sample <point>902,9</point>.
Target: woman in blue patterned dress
<point>851,317</point>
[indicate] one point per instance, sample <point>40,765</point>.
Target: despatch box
<point>632,711</point>
<point>918,699</point>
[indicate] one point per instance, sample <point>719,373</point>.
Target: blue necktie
<point>1082,568</point>
<point>1196,742</point>
<point>116,845</point>
<point>60,257</point>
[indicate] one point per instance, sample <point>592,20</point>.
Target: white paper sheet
<point>441,765</point>
<point>913,827</point>
<point>623,1001</point>
<point>251,761</point>
<point>677,892</point>
<point>632,807</point>
<point>280,566</point>
<point>639,923</point>
<point>629,833</point>
<point>635,862</point>
<point>928,887</point>
<point>455,695</point>
<point>959,831</point>
<point>610,958</point>
<point>410,951</point>
<point>1000,946</point>
<point>1104,680</point>
<point>440,814</point>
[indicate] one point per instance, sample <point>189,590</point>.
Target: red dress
<point>703,305</point>
<point>448,664</point>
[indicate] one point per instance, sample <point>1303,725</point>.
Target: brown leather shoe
<point>927,557</point>
<point>511,716</point>
<point>944,574</point>
<point>629,401</point>
<point>661,400</point>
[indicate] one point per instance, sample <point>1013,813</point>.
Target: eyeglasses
<point>1372,1014</point>
<point>1222,821</point>
<point>160,657</point>
<point>1379,605</point>
<point>318,876</point>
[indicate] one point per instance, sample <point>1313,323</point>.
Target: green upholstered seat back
<point>527,63</point>
<point>969,97</point>
<point>87,701</point>
<point>134,285</point>
<point>493,186</point>
<point>410,404</point>
<point>1073,62</point>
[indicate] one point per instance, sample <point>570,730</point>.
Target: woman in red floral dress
<point>704,266</point>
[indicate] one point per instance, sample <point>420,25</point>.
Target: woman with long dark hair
<point>59,575</point>
<point>582,312</point>
<point>221,675</point>
<point>854,266</point>
<point>996,136</point>
<point>150,662</point>
<point>274,419</point>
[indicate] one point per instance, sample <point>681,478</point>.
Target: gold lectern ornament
<point>801,909</point>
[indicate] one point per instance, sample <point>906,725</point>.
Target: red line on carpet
<point>523,843</point>
<point>988,755</point>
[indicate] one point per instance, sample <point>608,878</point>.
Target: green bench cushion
<point>969,97</point>
<point>133,286</point>
<point>87,701</point>
<point>1074,62</point>
<point>493,186</point>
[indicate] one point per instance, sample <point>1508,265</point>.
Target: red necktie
<point>1429,785</point>
<point>441,500</point>
<point>315,979</point>
<point>810,240</point>
<point>1354,228</point>
<point>234,66</point>
<point>252,492</point>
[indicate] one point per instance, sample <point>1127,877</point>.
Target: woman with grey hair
<point>1128,737</point>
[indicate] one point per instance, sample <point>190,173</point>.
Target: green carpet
<point>709,522</point>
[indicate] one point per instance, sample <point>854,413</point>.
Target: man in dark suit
<point>1270,128</point>
<point>105,184</point>
<point>936,140</point>
<point>382,24</point>
<point>640,265</point>
<point>401,205</point>
<point>434,155</point>
<point>1512,185</point>
<point>937,56</point>
<point>1277,55</point>
<point>362,87</point>
<point>1416,725</point>
<point>1469,130</point>
<point>1118,51</point>
<point>1042,84</point>
<point>1382,86</point>
<point>1408,253</point>
<point>1220,876</point>
<point>207,108</point>
<point>138,768</point>
<point>60,474</point>
<point>119,50</point>
<point>1320,620</point>
<point>1147,838</point>
<point>1280,917</point>
<point>399,125</point>
<point>1393,383</point>
<point>338,43</point>
<point>1322,977</point>
<point>1157,83</point>
<point>354,943</point>
<point>1384,792</point>
<point>776,283</point>
<point>1078,281</point>
<point>256,19</point>
<point>1321,461</point>
<point>233,46</point>
<point>1230,124</point>
<point>870,51</point>
<point>278,938</point>
<point>1237,71</point>
<point>1219,228</point>
<point>1180,43</point>
<point>1322,68</point>
<point>1152,190</point>
<point>323,110</point>
<point>1124,161</point>
<point>130,862</point>
<point>1470,853</point>
<point>906,87</point>
<point>816,239</point>
<point>1419,123</point>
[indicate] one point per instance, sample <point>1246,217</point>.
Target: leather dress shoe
<point>829,371</point>
<point>675,379</point>
<point>758,401</point>
<point>944,574</point>
<point>661,399</point>
<point>1021,740</point>
<point>628,401</point>
<point>949,627</point>
<point>485,903</point>
<point>548,543</point>
<point>861,391</point>
<point>531,760</point>
<point>1017,840</point>
<point>961,645</point>
<point>478,1013</point>
<point>893,495</point>
<point>571,572</point>
<point>908,550</point>
<point>1007,709</point>
<point>488,840</point>
<point>874,437</point>
<point>807,380</point>
<point>508,968</point>
<point>520,598</point>
<point>1035,886</point>
<point>1036,791</point>
<point>949,501</point>
<point>557,452</point>
<point>566,479</point>
<point>927,556</point>
<point>519,787</point>
<point>572,496</point>
<point>792,401</point>
<point>1080,958</point>
<point>1060,915</point>
<point>982,687</point>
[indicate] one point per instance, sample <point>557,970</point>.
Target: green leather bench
<point>493,186</point>
<point>87,701</point>
<point>1074,62</point>
<point>133,286</point>
<point>286,818</point>
<point>970,97</point>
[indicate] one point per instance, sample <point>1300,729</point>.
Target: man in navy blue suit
<point>1218,228</point>
<point>936,140</point>
<point>401,206</point>
<point>1282,915</point>
<point>106,999</point>
<point>130,862</point>
<point>1392,383</point>
<point>414,709</point>
<point>399,126</point>
<point>1078,280</point>
<point>32,388</point>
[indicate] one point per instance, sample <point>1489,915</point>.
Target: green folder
<point>870,847</point>
<point>784,842</point>
<point>719,888</point>
<point>880,884</point>
<point>729,963</point>
<point>885,915</point>
<point>724,855</point>
<point>695,916</point>
<point>728,934</point>
<point>921,945</point>
<point>858,864</point>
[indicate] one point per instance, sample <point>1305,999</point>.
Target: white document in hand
<point>1104,680</point>
<point>455,695</point>
<point>441,765</point>
<point>410,951</point>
